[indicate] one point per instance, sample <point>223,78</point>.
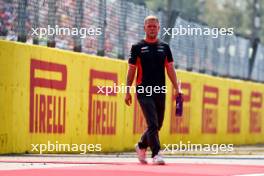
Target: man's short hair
<point>151,17</point>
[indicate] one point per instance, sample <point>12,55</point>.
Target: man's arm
<point>131,73</point>
<point>170,70</point>
<point>173,77</point>
<point>130,78</point>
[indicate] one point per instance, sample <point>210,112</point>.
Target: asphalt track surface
<point>127,165</point>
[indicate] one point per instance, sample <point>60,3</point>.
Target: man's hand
<point>128,99</point>
<point>178,88</point>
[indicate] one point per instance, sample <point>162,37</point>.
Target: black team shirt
<point>150,60</point>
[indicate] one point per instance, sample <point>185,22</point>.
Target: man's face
<point>151,28</point>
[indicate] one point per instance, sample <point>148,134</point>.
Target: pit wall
<point>52,96</point>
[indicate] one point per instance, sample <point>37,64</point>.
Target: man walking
<point>150,57</point>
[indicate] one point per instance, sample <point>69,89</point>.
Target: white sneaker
<point>141,153</point>
<point>158,160</point>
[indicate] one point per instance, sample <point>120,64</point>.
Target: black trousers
<point>153,109</point>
